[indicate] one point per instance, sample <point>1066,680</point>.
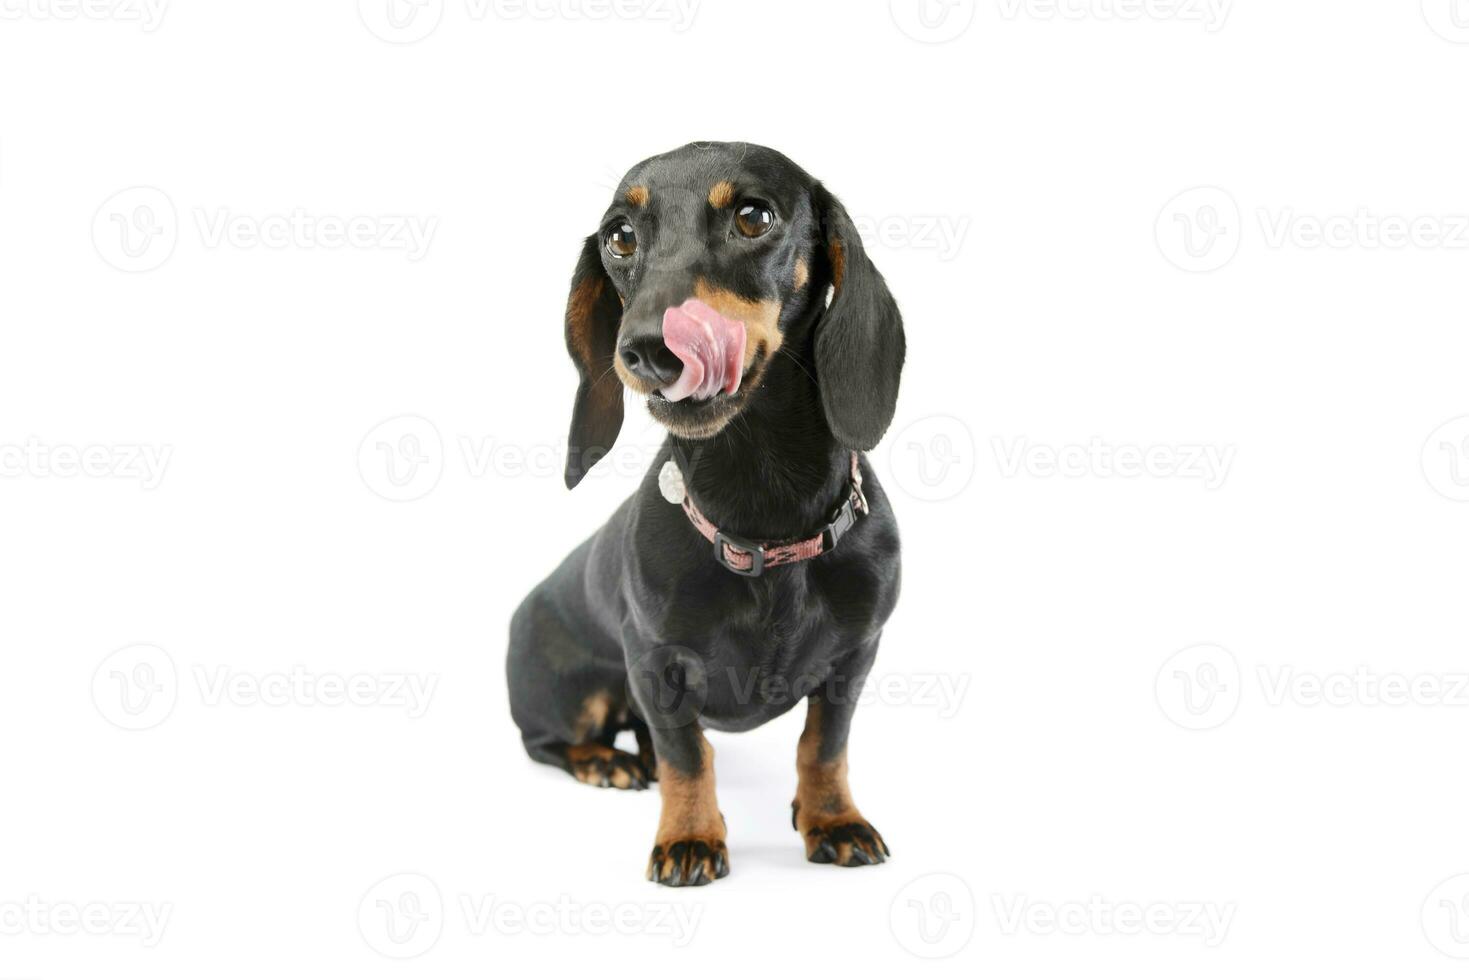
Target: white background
<point>1134,724</point>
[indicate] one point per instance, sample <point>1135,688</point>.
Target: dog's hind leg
<point>593,763</point>
<point>568,703</point>
<point>591,756</point>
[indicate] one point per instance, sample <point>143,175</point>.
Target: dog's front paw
<point>846,840</point>
<point>695,861</point>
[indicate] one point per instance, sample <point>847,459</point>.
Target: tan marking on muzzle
<point>721,195</point>
<point>761,317</point>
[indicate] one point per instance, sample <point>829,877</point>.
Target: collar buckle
<point>739,544</point>
<point>841,522</point>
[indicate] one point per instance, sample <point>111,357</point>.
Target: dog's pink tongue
<point>711,347</point>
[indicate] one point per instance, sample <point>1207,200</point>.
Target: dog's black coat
<point>639,628</point>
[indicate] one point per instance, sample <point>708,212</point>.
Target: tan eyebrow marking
<point>721,195</point>
<point>637,196</point>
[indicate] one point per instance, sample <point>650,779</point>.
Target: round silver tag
<point>670,482</point>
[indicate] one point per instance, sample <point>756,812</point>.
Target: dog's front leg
<point>669,688</point>
<point>833,829</point>
<point>689,848</point>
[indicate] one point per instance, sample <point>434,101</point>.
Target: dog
<point>756,564</point>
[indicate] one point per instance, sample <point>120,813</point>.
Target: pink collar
<point>750,558</point>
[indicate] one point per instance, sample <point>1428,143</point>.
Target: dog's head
<point>712,261</point>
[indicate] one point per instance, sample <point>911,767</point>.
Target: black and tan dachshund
<point>756,564</point>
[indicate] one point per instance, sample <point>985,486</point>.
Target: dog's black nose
<point>649,360</point>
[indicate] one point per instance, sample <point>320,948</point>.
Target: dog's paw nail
<point>691,862</point>
<point>851,845</point>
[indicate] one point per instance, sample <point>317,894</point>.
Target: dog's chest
<point>771,650</point>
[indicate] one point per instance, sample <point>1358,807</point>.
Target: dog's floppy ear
<point>593,314</point>
<point>859,340</point>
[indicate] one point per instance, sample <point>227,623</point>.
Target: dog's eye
<point>622,241</point>
<point>754,218</point>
